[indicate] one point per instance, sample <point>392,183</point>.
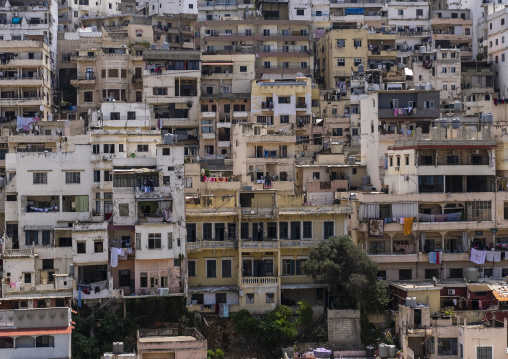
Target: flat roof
<point>167,339</point>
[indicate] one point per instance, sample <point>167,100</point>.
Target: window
<point>81,247</point>
<point>341,62</point>
<point>28,278</point>
<point>502,22</point>
<point>476,160</point>
<point>95,149</point>
<point>428,104</point>
<point>88,96</point>
<point>98,246</point>
<point>452,160</point>
<point>243,68</point>
<point>444,70</point>
<point>381,275</point>
<point>452,70</point>
<point>315,175</point>
<point>270,298</point>
<point>72,177</point>
<point>211,268</point>
<point>405,274</point>
<point>96,175</point>
<point>31,237</point>
<point>445,87</point>
<point>48,264</point>
<point>283,230</point>
<point>288,267</point>
<point>357,62</point>
<point>284,119</point>
<point>142,148</point>
<point>429,273</point>
<point>45,341</point>
<point>456,273</point>
<point>124,277</point>
<point>143,280</point>
<point>341,43</point>
<point>300,12</point>
<point>108,148</point>
<point>394,103</point>
<point>160,91</point>
<point>250,298</point>
<point>483,352</point>
<point>46,238</point>
<point>400,12</point>
<point>226,268</point>
<point>357,43</point>
<point>65,242</point>
<point>295,230</point>
<point>191,268</point>
<point>40,178</point>
<point>108,176</point>
<point>307,230</point>
<point>166,180</point>
<point>336,131</point>
<point>447,346</point>
<point>328,229</point>
<point>284,99</point>
<point>419,12</point>
<point>6,342</point>
<point>154,241</point>
<point>502,57</point>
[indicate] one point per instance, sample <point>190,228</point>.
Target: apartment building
<point>355,14</point>
<point>225,10</point>
<point>477,82</point>
<point>26,82</point>
<point>282,47</point>
<point>138,189</point>
<point>453,29</point>
<point>494,43</point>
<point>31,20</point>
<point>177,30</point>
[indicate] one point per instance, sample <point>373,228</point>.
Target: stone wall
<point>344,329</point>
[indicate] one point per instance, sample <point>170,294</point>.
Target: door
<point>259,268</point>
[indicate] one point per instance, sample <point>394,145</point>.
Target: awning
<point>408,72</point>
<point>217,63</point>
<point>304,286</point>
<point>501,296</point>
<point>213,289</point>
<point>35,331</point>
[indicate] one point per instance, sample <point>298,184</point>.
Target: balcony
<point>259,212</point>
<point>413,34</point>
<point>299,243</point>
<point>223,124</point>
<point>301,106</point>
<point>208,114</point>
<point>24,80</point>
<point>224,144</point>
<point>240,114</point>
<point>21,101</point>
<point>203,244</point>
<point>208,136</point>
<point>18,253</point>
<point>259,245</point>
<point>394,258</point>
<point>260,281</point>
<point>87,79</point>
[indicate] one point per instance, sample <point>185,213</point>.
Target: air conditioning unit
<point>476,152</point>
<point>451,291</point>
<point>396,168</point>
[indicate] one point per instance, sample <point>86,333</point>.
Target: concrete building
<point>168,342</point>
<point>36,333</point>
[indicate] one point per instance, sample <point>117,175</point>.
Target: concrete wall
<point>344,329</point>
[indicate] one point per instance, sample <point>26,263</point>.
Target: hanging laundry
<point>408,225</point>
<point>477,256</point>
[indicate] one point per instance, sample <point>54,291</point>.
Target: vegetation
<point>304,313</point>
<point>273,329</point>
<point>351,274</point>
<point>218,354</point>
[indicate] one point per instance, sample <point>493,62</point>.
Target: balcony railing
<point>260,280</point>
<point>260,244</point>
<point>301,105</point>
<point>18,253</point>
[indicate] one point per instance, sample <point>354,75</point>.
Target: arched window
<point>6,342</point>
<point>25,342</point>
<point>45,341</point>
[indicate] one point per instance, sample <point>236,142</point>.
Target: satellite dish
<point>41,107</point>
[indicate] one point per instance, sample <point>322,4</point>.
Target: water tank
<point>383,351</point>
<point>456,106</point>
<point>411,302</point>
<point>488,118</point>
<point>428,86</point>
<point>472,275</point>
<point>365,180</point>
<point>154,46</point>
<point>325,145</point>
<point>423,48</point>
<point>94,28</point>
<point>352,161</point>
<point>168,139</point>
<point>456,123</point>
<point>369,351</point>
<point>60,28</point>
<point>392,351</point>
<point>117,347</point>
<point>361,69</point>
<point>165,45</point>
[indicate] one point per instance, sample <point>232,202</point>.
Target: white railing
<point>260,280</point>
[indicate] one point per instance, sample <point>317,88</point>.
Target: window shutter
<point>292,267</point>
<point>297,267</point>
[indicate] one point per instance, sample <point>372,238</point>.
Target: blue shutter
<point>292,267</point>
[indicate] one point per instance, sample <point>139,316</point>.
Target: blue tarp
<point>16,20</point>
<point>355,11</point>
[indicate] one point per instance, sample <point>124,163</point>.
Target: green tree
<point>244,323</point>
<point>276,327</point>
<point>304,315</point>
<point>350,272</point>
